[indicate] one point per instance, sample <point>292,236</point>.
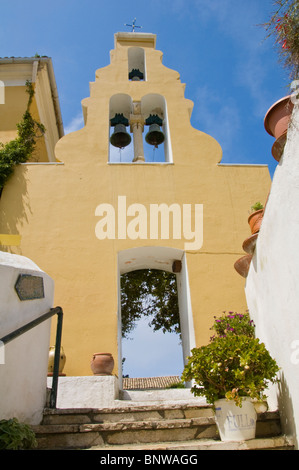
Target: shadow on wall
<point>14,205</point>
<point>285,406</point>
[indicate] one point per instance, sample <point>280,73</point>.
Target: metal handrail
<point>23,329</point>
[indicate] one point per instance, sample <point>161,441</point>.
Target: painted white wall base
<point>86,392</point>
<point>24,360</point>
<point>176,395</point>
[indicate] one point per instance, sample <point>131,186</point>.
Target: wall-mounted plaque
<point>30,287</point>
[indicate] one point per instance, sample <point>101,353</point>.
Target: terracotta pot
<point>102,364</point>
<point>242,265</point>
<point>255,221</point>
<point>62,360</point>
<point>276,123</point>
<point>249,244</point>
<point>278,146</point>
<point>278,117</point>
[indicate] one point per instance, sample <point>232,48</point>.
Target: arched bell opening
<point>136,64</point>
<point>120,140</point>
<point>139,131</point>
<point>157,146</point>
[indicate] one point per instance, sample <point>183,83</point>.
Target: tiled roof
<point>149,382</point>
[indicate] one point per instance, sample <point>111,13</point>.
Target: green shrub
<point>15,435</point>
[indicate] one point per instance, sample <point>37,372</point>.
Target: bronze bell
<point>154,136</point>
<point>120,137</point>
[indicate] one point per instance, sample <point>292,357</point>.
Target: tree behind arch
<point>150,293</point>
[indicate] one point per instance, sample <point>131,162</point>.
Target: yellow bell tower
<point>137,187</point>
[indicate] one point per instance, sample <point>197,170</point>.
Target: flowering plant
<point>233,365</point>
<point>233,323</point>
<point>284,27</point>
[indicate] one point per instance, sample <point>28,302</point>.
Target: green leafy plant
<point>233,365</point>
<point>20,149</point>
<point>283,26</point>
<point>257,206</point>
<point>16,436</point>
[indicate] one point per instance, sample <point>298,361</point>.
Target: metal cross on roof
<point>133,25</point>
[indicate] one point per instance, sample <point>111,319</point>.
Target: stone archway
<point>159,258</point>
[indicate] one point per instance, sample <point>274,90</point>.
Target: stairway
<point>141,423</point>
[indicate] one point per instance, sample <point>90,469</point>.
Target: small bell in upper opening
<point>135,75</point>
<point>120,137</point>
<point>154,136</point>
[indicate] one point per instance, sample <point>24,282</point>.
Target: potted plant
<point>256,217</point>
<point>254,221</point>
<point>231,371</point>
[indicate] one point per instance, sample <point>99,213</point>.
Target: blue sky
<point>231,72</point>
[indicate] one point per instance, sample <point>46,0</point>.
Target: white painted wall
<point>24,364</point>
<point>272,285</point>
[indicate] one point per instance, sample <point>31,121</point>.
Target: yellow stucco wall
<point>53,208</point>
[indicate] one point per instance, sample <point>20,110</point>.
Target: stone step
<point>137,425</point>
<point>128,413</point>
<point>266,443</point>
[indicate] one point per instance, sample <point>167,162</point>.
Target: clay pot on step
<point>62,360</point>
<point>249,244</point>
<point>255,220</point>
<point>242,265</point>
<point>102,364</point>
<point>276,123</point>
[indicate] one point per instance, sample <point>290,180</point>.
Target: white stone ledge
<point>265,165</point>
<point>86,391</point>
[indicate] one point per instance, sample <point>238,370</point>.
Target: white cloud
<point>75,124</point>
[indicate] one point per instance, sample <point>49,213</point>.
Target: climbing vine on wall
<point>20,149</point>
